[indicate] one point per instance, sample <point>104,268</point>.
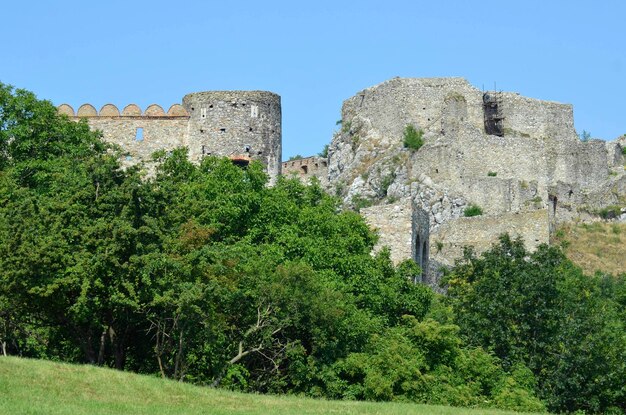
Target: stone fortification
<point>236,124</point>
<point>518,159</point>
<point>243,125</point>
<point>306,168</point>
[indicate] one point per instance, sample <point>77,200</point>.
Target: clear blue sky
<point>316,54</point>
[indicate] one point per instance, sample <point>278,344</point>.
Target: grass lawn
<point>41,387</point>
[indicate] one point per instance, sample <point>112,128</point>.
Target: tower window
<point>139,134</point>
<point>203,112</point>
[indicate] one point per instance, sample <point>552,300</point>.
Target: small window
<point>203,112</point>
<point>305,169</point>
<point>129,157</point>
<point>247,149</point>
<point>254,111</point>
<point>139,134</point>
<point>222,130</point>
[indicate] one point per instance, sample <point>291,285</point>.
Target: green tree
<point>539,310</point>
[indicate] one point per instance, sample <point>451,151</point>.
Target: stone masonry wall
<point>306,168</point>
<point>243,125</point>
<point>480,232</point>
<point>530,176</point>
<point>394,227</point>
<point>236,123</point>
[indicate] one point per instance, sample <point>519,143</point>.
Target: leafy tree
<point>539,310</point>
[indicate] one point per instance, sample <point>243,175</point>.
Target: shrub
<point>584,136</point>
<point>324,152</point>
<point>413,139</point>
<point>610,212</point>
<point>360,202</point>
<point>385,183</point>
<point>624,151</point>
<point>492,174</point>
<point>473,210</point>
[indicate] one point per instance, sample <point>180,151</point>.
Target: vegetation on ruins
<point>324,152</point>
<point>584,136</point>
<point>412,138</point>
<point>472,210</point>
<point>204,274</point>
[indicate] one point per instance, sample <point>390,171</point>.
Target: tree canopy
<point>205,274</point>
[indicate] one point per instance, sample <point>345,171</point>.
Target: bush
<point>624,151</point>
<point>610,212</point>
<point>359,202</point>
<point>473,210</point>
<point>492,174</point>
<point>324,152</point>
<point>413,138</point>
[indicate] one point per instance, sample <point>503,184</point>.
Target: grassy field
<point>596,246</point>
<point>41,387</point>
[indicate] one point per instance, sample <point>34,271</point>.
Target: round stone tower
<point>242,125</point>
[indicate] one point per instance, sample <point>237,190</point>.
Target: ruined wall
<point>394,227</point>
<point>518,158</point>
<point>138,133</point>
<point>236,124</point>
<point>306,168</point>
<point>447,242</point>
<point>243,125</point>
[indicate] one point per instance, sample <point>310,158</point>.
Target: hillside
<point>595,247</point>
<point>42,387</point>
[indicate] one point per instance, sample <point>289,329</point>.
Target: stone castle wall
<point>306,168</point>
<point>529,174</point>
<point>236,124</point>
<point>518,158</point>
<point>243,125</point>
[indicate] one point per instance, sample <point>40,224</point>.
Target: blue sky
<point>317,54</point>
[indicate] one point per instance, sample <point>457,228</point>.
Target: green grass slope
<point>41,387</point>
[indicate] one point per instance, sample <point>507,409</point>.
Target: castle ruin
<point>242,125</point>
<point>518,159</point>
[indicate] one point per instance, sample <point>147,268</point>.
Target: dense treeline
<point>202,273</point>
